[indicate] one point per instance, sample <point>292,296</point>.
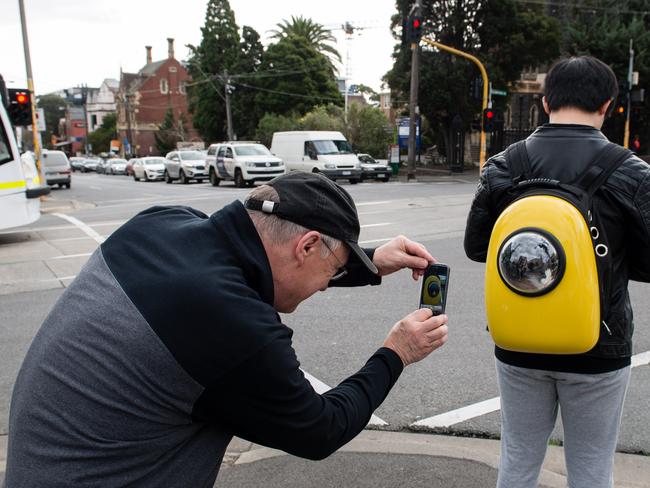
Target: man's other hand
<point>400,253</point>
<point>417,335</point>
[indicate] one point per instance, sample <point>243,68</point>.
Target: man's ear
<point>545,105</point>
<point>307,245</point>
<point>603,110</point>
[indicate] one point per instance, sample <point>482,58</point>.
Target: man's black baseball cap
<point>317,203</point>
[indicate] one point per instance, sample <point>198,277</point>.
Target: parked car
<point>150,168</point>
<point>326,152</point>
<point>116,166</point>
<point>76,163</point>
<point>371,169</point>
<point>185,165</point>
<point>101,166</point>
<point>56,168</point>
<point>242,162</point>
<point>90,165</point>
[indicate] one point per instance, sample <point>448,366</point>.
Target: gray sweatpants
<point>591,406</point>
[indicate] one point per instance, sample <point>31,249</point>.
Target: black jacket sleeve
<point>267,400</point>
<point>639,255</point>
<point>480,220</point>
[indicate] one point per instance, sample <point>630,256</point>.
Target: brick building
<point>143,99</point>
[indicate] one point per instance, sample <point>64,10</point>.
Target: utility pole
<point>32,95</point>
<point>414,111</point>
<point>226,84</point>
<point>127,106</point>
<point>630,76</point>
<point>84,99</point>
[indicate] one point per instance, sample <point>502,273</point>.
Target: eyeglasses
<point>342,270</point>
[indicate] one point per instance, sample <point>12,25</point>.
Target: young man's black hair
<point>581,82</point>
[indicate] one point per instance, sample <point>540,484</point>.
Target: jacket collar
<point>236,225</point>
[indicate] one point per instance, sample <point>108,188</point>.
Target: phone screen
<point>434,288</point>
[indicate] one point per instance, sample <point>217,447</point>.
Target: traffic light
<point>20,106</point>
<point>488,120</point>
<point>620,108</point>
<point>415,26</point>
<point>476,88</point>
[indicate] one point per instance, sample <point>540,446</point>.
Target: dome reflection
<point>530,263</point>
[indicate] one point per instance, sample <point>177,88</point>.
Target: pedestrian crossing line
<point>321,388</point>
<point>84,227</point>
<point>469,412</point>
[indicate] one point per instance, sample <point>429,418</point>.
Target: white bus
<point>19,194</point>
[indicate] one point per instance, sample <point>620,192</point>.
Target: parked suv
<point>243,162</point>
<point>185,165</point>
<point>56,168</point>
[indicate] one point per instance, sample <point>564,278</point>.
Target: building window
<point>164,86</point>
<point>172,69</point>
<point>534,116</point>
<point>93,121</point>
<point>181,87</point>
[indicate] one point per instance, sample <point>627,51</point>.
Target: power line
<point>558,3</point>
<point>296,95</point>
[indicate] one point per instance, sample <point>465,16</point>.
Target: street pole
<point>413,101</point>
<point>226,84</point>
<point>84,94</point>
<point>127,106</point>
<point>32,95</point>
<point>630,75</point>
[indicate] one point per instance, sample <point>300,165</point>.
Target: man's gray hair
<point>278,230</point>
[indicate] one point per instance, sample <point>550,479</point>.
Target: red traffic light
<point>416,23</point>
<point>489,114</point>
<point>22,98</point>
<point>620,109</point>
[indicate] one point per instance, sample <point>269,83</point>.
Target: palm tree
<point>317,35</point>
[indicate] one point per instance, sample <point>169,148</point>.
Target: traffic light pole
<point>226,84</point>
<point>413,100</point>
<point>486,95</point>
<point>32,96</point>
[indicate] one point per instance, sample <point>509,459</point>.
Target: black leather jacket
<point>563,152</point>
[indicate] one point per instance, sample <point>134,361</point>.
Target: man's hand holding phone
<point>417,335</point>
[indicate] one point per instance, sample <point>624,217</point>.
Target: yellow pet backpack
<point>547,259</point>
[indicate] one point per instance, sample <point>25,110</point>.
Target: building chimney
<point>170,48</point>
<point>148,48</point>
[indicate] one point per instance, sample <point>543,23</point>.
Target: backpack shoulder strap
<point>606,162</point>
<point>517,162</point>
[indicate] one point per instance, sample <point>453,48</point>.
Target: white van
<point>326,152</point>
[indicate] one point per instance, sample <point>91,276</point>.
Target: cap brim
<point>363,257</point>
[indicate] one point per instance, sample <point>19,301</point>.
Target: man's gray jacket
<point>563,152</point>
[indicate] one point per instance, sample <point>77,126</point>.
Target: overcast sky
<point>84,41</point>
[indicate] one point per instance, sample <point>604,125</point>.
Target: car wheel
<point>385,180</point>
<point>240,182</point>
<point>67,185</point>
<point>168,179</point>
<point>354,181</point>
<point>135,177</point>
<point>183,179</point>
<point>214,179</point>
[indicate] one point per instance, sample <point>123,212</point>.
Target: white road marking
<point>96,188</point>
<point>361,204</point>
<point>321,388</point>
<point>69,256</point>
<point>85,228</point>
<point>370,241</point>
<point>376,225</point>
<point>469,412</point>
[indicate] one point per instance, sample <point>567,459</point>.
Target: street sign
<point>403,130</point>
<point>499,93</point>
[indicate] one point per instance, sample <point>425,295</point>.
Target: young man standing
<point>588,388</point>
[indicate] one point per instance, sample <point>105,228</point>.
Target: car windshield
<point>149,161</point>
<point>191,155</point>
<point>252,150</point>
<point>367,159</point>
<point>332,147</point>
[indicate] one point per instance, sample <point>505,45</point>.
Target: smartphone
<point>434,288</point>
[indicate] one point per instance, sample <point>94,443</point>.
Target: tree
<point>316,35</point>
<point>167,134</point>
<point>218,52</point>
<point>294,77</point>
<point>324,117</point>
<point>368,130</point>
<point>54,108</point>
<point>505,35</point>
<point>271,123</point>
<point>101,138</point>
<point>246,115</point>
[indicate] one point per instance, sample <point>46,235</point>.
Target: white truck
<point>326,152</point>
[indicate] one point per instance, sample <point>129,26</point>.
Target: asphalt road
<point>335,331</point>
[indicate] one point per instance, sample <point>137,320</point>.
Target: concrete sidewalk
<point>387,459</point>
